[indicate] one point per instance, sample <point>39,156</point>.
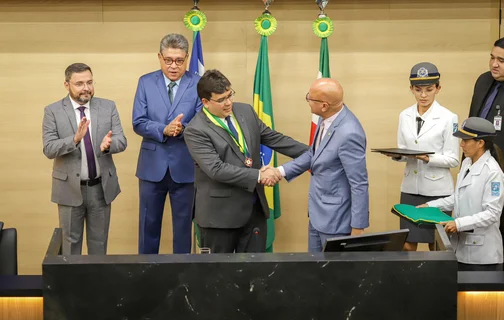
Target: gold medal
<point>248,162</point>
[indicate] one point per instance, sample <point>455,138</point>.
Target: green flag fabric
<point>421,215</point>
<point>263,106</point>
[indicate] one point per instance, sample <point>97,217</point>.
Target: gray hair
<point>174,41</point>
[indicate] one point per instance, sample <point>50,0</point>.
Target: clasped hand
<point>174,128</point>
<point>270,176</point>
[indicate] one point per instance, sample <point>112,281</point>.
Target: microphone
<point>256,240</point>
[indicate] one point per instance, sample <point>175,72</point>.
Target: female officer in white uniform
<point>426,126</point>
<point>477,202</point>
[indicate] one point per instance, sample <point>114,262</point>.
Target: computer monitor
<point>381,241</point>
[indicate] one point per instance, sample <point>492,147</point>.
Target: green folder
<point>421,215</point>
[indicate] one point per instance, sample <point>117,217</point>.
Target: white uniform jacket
<point>436,135</point>
<point>477,205</point>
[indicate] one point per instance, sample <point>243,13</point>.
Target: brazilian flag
<point>263,106</point>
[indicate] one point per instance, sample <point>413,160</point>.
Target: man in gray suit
<point>230,206</point>
<point>81,133</point>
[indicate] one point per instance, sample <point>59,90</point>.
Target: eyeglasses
<point>170,61</point>
<point>230,97</point>
<point>81,84</point>
<point>308,99</point>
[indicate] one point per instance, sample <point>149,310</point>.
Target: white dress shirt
<point>84,166</point>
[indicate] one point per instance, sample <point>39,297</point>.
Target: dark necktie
<point>490,100</point>
<point>89,149</point>
<point>420,123</point>
<point>232,127</point>
<point>170,90</point>
<point>465,174</point>
<point>320,136</point>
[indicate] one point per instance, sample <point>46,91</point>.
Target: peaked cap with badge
<point>424,74</point>
<point>475,128</point>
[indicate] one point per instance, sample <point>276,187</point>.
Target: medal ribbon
<point>218,122</point>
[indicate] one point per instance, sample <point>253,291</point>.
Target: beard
<point>83,97</point>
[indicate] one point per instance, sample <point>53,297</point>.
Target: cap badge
<point>422,73</point>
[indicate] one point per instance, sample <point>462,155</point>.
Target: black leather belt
<point>90,183</point>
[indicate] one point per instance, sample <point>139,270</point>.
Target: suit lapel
<point>69,110</point>
<point>245,130</point>
<point>93,109</point>
<point>465,181</point>
<point>224,135</point>
<point>412,121</point>
<point>163,90</point>
<point>330,133</point>
<point>487,85</point>
<point>184,84</point>
<point>431,121</point>
<point>315,138</point>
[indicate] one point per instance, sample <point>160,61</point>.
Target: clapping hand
<point>81,130</point>
<point>174,128</point>
<point>106,142</point>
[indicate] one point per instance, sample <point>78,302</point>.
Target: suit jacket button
<point>78,175</point>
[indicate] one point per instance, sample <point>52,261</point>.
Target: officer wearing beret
<point>426,126</point>
<point>477,202</point>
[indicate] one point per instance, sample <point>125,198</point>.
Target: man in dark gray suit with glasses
<point>224,139</point>
<point>81,133</point>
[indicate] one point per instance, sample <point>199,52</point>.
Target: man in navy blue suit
<point>165,101</point>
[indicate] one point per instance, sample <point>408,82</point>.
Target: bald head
<point>326,97</point>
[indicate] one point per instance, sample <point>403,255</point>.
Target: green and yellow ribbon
<point>323,27</point>
<point>195,20</point>
<point>241,139</point>
<point>266,24</point>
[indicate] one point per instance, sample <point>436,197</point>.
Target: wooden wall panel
<point>480,305</point>
<point>374,45</point>
<point>21,309</point>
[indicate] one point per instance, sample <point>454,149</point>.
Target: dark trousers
<point>152,201</point>
<point>479,267</point>
<point>249,238</point>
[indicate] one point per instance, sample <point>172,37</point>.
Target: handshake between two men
<point>270,176</point>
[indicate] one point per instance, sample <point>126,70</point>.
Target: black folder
<point>402,152</point>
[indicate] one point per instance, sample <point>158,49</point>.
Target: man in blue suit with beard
<point>338,201</point>
<point>165,101</point>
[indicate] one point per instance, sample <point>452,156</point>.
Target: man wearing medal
<point>230,207</point>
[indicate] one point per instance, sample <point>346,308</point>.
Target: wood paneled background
<point>375,44</point>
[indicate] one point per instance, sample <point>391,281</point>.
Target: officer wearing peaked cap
<point>478,200</point>
<point>426,126</point>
